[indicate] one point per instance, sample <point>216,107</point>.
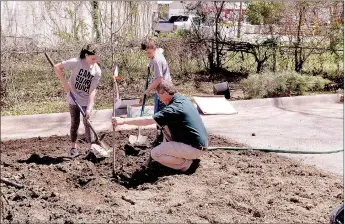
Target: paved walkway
<point>295,123</point>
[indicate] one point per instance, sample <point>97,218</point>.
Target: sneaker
<point>74,152</point>
<point>193,167</point>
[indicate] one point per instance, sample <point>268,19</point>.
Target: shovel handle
<point>87,120</point>
<point>49,59</point>
<point>78,105</point>
<point>143,106</point>
<point>146,86</point>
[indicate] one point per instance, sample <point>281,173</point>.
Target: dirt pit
<point>229,186</point>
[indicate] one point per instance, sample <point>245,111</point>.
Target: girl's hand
<point>66,88</point>
<point>88,113</point>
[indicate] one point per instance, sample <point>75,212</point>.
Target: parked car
<point>176,23</point>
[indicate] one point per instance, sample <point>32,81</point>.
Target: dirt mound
<point>229,186</point>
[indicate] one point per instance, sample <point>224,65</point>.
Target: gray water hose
<point>276,150</point>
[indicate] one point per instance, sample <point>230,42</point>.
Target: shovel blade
<point>142,140</point>
<point>137,140</point>
<point>99,151</point>
<point>118,103</point>
<point>133,139</point>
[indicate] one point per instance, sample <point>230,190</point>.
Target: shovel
<point>99,148</point>
<point>118,100</point>
<point>141,140</point>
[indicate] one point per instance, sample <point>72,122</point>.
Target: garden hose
<point>276,150</point>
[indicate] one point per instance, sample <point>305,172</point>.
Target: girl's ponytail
<point>89,49</point>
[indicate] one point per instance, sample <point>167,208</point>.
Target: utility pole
<point>239,22</point>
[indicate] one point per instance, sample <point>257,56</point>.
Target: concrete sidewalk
<point>295,123</point>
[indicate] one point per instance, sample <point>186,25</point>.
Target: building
<point>48,22</point>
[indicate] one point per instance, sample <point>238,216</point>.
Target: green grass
<point>27,108</point>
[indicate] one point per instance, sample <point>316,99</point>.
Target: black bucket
<point>222,89</point>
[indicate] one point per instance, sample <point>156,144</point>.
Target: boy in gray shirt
<point>84,79</point>
<point>159,67</point>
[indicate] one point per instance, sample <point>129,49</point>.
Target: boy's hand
<point>147,92</point>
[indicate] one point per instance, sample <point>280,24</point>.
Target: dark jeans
<point>158,107</point>
<point>75,121</point>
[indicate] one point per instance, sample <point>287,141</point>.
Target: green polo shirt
<point>184,122</point>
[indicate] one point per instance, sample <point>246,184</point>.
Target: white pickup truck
<point>176,23</point>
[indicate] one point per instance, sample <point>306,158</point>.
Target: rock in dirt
<point>309,206</point>
<point>294,200</point>
<point>128,200</point>
<point>257,214</point>
<point>33,194</point>
<point>68,222</point>
<point>19,197</point>
<point>82,181</point>
<point>9,216</point>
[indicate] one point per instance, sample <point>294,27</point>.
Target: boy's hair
<point>90,49</point>
<point>166,86</point>
<point>148,43</point>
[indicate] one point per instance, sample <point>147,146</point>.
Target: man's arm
<point>138,121</point>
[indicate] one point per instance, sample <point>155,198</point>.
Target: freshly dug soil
<point>229,186</point>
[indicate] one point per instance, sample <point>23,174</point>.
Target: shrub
<point>281,84</point>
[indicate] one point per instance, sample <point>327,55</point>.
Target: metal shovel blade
<point>118,103</point>
<point>142,140</point>
<point>133,139</point>
<point>139,139</point>
<point>99,151</point>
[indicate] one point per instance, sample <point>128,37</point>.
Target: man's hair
<point>148,43</point>
<point>166,86</point>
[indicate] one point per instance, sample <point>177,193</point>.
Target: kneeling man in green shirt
<point>185,133</point>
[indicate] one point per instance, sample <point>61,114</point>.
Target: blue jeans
<point>158,104</point>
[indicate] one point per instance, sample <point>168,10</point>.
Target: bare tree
<point>267,14</point>
<point>308,30</point>
<point>212,35</point>
<point>96,20</point>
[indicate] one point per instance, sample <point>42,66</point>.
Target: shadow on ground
<point>44,160</point>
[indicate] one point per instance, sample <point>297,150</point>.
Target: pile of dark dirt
<point>229,186</point>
